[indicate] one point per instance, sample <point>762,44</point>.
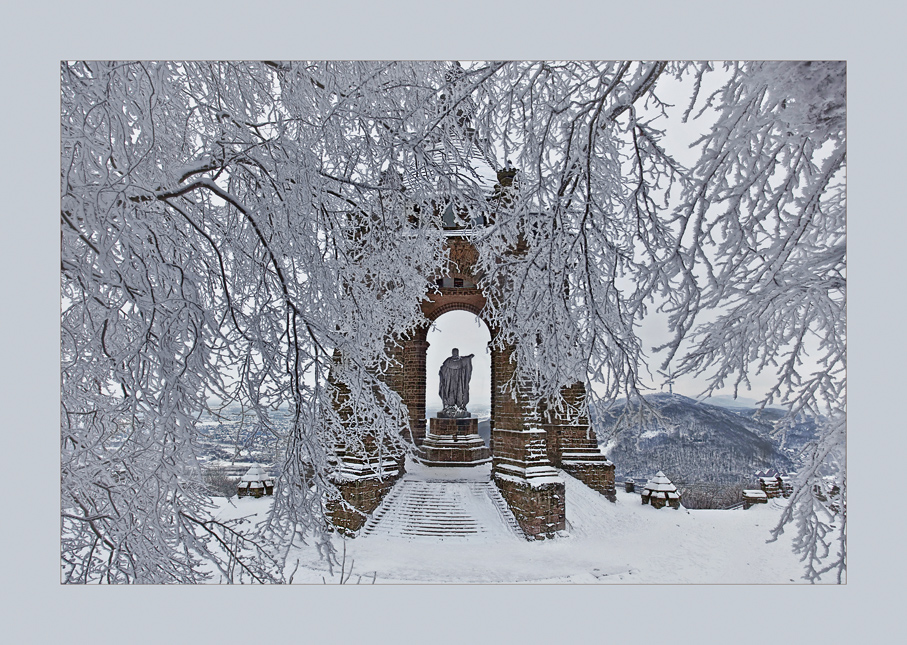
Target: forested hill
<point>696,442</point>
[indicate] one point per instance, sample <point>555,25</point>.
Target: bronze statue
<point>454,385</point>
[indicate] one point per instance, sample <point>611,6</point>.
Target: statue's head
<point>455,352</point>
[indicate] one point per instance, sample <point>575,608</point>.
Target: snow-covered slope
<point>693,442</point>
<point>623,542</point>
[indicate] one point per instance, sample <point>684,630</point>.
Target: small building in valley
<point>255,483</point>
<point>787,485</point>
<point>771,486</point>
<point>751,497</point>
<point>660,492</point>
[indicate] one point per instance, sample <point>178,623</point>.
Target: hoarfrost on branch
<point>247,230</point>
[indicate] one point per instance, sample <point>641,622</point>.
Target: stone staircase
<point>443,509</point>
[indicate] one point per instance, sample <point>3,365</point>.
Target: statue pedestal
<point>454,442</point>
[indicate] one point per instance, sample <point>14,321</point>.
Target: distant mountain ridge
<point>697,443</point>
<point>740,402</point>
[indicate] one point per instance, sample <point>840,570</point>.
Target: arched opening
<point>468,333</point>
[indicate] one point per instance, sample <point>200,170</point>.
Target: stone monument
<point>453,436</point>
<point>454,377</point>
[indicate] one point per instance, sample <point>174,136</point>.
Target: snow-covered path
<point>443,510</point>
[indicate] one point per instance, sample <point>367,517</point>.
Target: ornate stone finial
<point>506,175</point>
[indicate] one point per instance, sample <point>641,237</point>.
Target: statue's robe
<point>454,381</point>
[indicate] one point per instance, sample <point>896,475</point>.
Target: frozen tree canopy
<point>243,231</point>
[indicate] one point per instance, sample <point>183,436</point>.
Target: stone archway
<point>456,442</point>
<point>526,443</point>
<point>468,299</point>
<point>521,467</point>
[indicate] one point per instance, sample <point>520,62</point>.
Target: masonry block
<point>358,499</point>
<point>454,442</point>
<point>540,510</point>
<point>598,476</point>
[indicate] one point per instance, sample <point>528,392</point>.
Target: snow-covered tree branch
<point>256,232</point>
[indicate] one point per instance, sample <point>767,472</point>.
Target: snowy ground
<point>623,542</point>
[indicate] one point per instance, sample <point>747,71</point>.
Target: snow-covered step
<point>501,504</point>
<point>441,509</point>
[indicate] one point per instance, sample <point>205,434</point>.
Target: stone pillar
<point>520,465</point>
<point>364,472</point>
<point>393,375</point>
<point>414,386</point>
<point>494,389</point>
<point>573,446</point>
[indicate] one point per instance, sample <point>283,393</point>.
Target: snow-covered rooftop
<point>660,483</point>
<point>255,474</point>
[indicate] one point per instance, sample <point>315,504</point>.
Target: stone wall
<point>508,408</point>
<point>463,257</point>
<point>365,471</point>
<point>359,498</point>
<point>520,447</point>
<point>393,375</point>
<point>520,465</point>
<point>539,510</point>
<point>597,476</point>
